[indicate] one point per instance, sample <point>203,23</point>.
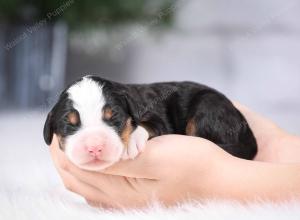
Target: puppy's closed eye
<point>73,118</point>
<point>107,113</point>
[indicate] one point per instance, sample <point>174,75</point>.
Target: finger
<point>97,204</point>
<point>85,190</point>
<point>113,191</point>
<point>89,192</point>
<point>96,179</point>
<point>70,182</point>
<point>144,166</point>
<point>62,163</point>
<point>59,158</point>
<point>54,143</point>
<point>57,155</point>
<point>136,168</point>
<point>160,152</point>
<point>99,180</point>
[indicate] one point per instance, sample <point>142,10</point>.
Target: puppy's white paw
<point>136,144</point>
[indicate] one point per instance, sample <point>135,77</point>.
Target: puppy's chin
<point>95,165</point>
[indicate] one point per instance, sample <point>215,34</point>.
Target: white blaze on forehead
<point>88,100</point>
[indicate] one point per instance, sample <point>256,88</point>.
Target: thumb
<point>143,166</point>
<point>153,159</point>
<point>161,155</point>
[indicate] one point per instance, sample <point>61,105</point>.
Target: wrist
<point>247,181</point>
<point>282,148</point>
<point>213,173</point>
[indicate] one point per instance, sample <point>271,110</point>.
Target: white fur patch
<point>88,101</point>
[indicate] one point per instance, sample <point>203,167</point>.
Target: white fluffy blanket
<point>54,204</point>
<point>31,189</point>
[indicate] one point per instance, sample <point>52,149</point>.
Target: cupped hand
<point>171,169</point>
<point>274,144</point>
<point>174,168</point>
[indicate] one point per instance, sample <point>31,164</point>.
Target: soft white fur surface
<point>55,204</point>
<point>31,189</point>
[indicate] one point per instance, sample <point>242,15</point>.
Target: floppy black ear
<point>48,129</point>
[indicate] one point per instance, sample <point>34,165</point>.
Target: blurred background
<point>249,50</point>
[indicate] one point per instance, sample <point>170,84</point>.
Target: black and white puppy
<point>99,122</point>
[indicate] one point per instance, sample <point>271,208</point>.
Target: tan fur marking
<point>107,113</point>
<point>191,128</point>
<point>73,118</point>
<point>125,135</point>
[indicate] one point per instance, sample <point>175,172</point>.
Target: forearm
<point>283,149</point>
<point>274,144</point>
<point>288,148</point>
<point>249,180</point>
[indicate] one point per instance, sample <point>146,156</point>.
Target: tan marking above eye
<point>191,128</point>
<point>73,118</point>
<point>107,113</point>
<point>125,134</point>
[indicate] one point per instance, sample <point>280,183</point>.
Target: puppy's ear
<point>48,129</point>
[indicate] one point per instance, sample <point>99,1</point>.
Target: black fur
<point>166,108</point>
<point>57,122</point>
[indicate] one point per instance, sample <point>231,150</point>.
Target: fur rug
<point>31,189</point>
<point>55,204</point>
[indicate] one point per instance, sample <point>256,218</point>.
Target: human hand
<point>274,144</point>
<point>171,169</point>
<point>175,168</point>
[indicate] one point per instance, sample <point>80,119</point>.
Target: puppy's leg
<point>136,143</point>
<point>213,116</point>
<point>151,125</point>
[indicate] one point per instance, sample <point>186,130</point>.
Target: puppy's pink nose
<point>94,150</point>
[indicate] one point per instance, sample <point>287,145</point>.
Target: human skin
<point>176,168</point>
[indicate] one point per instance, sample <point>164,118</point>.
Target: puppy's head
<point>93,120</point>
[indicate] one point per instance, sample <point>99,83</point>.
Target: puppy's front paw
<point>136,144</point>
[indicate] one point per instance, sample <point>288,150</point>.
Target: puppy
<point>98,122</point>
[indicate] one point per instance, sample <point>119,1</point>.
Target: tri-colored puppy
<point>99,122</point>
